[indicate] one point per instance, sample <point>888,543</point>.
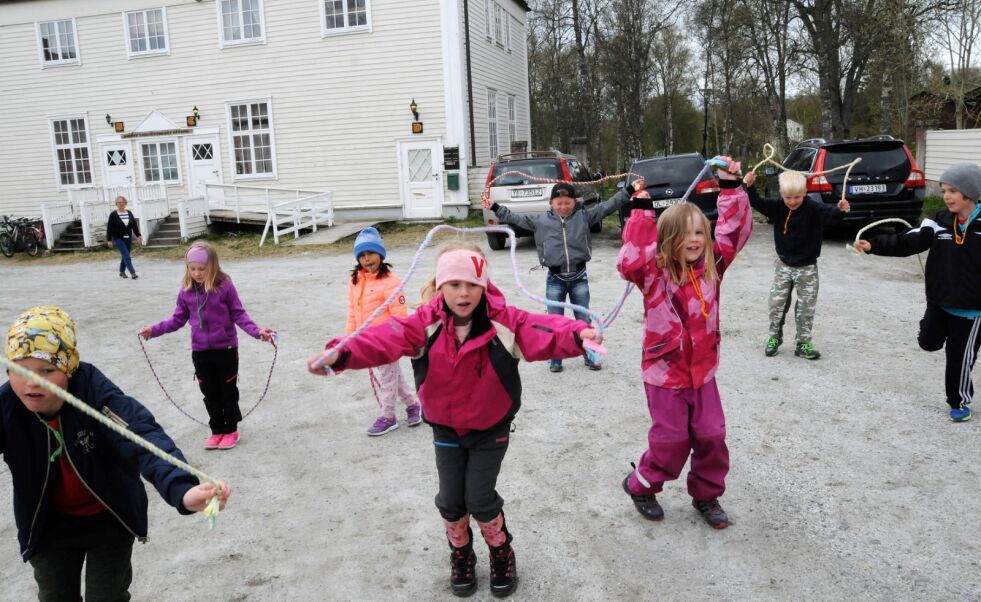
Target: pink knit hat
<point>463,265</point>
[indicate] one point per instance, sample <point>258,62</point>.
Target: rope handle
<point>770,152</point>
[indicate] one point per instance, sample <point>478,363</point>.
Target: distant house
<point>294,95</point>
<point>795,131</point>
<point>930,110</point>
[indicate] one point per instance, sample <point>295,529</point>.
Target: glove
<point>732,170</point>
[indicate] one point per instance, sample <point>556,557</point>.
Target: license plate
<point>524,193</point>
<point>866,188</point>
<point>665,203</point>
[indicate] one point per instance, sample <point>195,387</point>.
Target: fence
<point>54,214</point>
<point>91,206</point>
<point>196,207</point>
<point>307,212</point>
<point>250,199</point>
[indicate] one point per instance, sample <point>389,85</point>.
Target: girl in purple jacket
<point>208,300</point>
<point>465,342</point>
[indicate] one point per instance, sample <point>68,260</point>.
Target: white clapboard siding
<point>338,103</point>
<point>947,147</point>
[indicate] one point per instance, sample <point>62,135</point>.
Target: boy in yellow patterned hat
<point>77,485</point>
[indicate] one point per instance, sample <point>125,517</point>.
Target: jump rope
<point>211,510</point>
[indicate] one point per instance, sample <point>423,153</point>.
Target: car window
<point>578,172</point>
<point>669,172</point>
<point>541,168</point>
<point>876,161</point>
<point>800,160</point>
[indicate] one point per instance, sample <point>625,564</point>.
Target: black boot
<point>647,505</point>
<point>463,577</point>
<point>503,570</point>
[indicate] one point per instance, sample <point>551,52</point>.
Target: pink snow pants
<point>390,386</point>
<point>684,420</point>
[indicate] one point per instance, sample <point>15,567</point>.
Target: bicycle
<point>20,234</point>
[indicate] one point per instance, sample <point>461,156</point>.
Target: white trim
<point>223,43</point>
<point>177,159</point>
<point>59,63</point>
<point>487,19</point>
<point>54,149</point>
<point>130,161</point>
<point>347,29</point>
<point>497,126</point>
<point>212,134</point>
<point>438,172</point>
<point>166,32</point>
<point>231,140</point>
<point>512,120</point>
<point>453,92</point>
<point>507,30</point>
<point>499,13</point>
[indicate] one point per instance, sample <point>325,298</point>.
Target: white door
<point>422,184</point>
<point>203,164</point>
<point>117,164</point>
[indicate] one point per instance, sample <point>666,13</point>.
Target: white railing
<point>92,207</point>
<point>147,210</point>
<point>196,207</point>
<point>305,212</point>
<point>256,199</point>
<point>53,214</point>
<point>92,214</point>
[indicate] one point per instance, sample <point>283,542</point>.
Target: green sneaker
<point>807,351</point>
<point>772,345</point>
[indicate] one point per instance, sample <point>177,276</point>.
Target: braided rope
<point>858,237</point>
<point>485,193</point>
<point>212,509</point>
<point>808,174</point>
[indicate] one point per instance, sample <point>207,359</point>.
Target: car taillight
<point>566,174</point>
<point>707,186</point>
<point>819,183</point>
<point>916,178</point>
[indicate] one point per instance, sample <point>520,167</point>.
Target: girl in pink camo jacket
<point>679,272</point>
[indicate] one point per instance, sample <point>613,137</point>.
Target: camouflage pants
<point>785,278</point>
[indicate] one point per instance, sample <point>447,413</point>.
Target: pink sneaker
<point>229,441</point>
<point>212,442</point>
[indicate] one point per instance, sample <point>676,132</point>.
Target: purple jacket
<point>213,317</point>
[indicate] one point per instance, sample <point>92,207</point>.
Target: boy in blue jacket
<point>77,491</point>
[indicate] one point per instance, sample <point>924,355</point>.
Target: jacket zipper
<point>44,487</point>
<point>565,245</point>
<point>104,505</point>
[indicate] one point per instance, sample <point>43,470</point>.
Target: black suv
<point>667,179</point>
<point>886,183</point>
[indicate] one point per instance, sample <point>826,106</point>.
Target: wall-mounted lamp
<point>108,119</point>
<point>415,109</point>
<point>115,125</point>
<point>192,120</point>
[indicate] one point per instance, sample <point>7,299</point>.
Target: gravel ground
<point>847,479</point>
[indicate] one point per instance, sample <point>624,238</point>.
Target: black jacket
<point>800,245</point>
<point>108,464</point>
<point>115,228</point>
<point>953,278</point>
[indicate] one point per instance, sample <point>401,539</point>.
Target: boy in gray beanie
<point>953,281</point>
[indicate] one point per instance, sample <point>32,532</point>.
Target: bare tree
<point>957,28</point>
<point>672,76</point>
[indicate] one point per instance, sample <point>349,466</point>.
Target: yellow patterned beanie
<point>46,333</point>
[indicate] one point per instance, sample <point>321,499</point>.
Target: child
<point>465,342</point>
<point>953,289</point>
<point>562,236</point>
<point>209,300</point>
<point>77,491</point>
<point>677,267</point>
<point>372,282</point>
<point>798,228</point>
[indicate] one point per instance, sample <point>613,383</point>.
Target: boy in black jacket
<point>77,491</point>
<point>798,228</point>
<point>953,282</point>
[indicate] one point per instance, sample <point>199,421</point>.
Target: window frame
<point>494,149</point>
<point>507,30</point>
<point>347,29</point>
<point>223,43</point>
<point>68,117</point>
<point>60,62</point>
<point>499,14</point>
<point>177,160</point>
<point>130,53</point>
<point>237,177</point>
<point>512,120</point>
<point>487,18</point>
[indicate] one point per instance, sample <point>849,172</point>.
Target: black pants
<point>468,467</point>
<point>960,338</point>
<point>101,542</point>
<point>217,374</point>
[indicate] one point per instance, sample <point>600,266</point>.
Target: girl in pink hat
<point>465,342</point>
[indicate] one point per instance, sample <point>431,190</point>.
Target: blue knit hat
<point>369,240</point>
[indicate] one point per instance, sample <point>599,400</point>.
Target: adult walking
<point>121,231</point>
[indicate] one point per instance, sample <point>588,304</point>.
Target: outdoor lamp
<point>415,109</point>
<point>192,120</point>
<point>108,120</point>
<point>197,113</point>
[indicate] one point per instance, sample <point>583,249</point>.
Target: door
<point>422,184</point>
<point>203,165</point>
<point>117,164</point>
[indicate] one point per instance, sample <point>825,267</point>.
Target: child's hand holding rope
<point>863,246</point>
<point>197,498</point>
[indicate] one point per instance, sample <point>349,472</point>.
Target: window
<point>250,128</point>
<point>71,146</point>
<point>492,123</point>
<point>160,162</point>
<point>512,121</point>
<point>499,24</point>
<point>487,17</point>
<point>57,42</point>
<point>240,22</point>
<point>507,30</point>
<point>342,16</point>
<point>146,32</point>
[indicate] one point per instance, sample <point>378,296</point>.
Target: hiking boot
<point>647,505</point>
<point>383,425</point>
<point>413,414</point>
<point>961,414</point>
<point>806,351</point>
<point>229,441</point>
<point>772,346</point>
<point>554,366</point>
<point>463,576</point>
<point>123,275</point>
<point>135,276</point>
<point>593,365</point>
<point>712,512</point>
<point>503,571</point>
<point>212,441</point>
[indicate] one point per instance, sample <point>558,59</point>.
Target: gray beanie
<point>966,178</point>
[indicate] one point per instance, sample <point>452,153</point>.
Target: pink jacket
<point>681,345</point>
<point>473,386</point>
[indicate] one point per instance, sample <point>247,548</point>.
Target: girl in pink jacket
<point>678,268</point>
<point>465,342</point>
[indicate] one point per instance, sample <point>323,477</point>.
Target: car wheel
<point>496,241</point>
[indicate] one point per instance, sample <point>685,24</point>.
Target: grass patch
<point>932,204</point>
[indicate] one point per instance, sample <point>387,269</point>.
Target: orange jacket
<point>367,294</point>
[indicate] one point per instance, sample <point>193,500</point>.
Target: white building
<point>795,131</point>
<point>945,148</point>
<point>302,95</point>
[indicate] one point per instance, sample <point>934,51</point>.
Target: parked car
<point>522,195</point>
<point>669,177</point>
<point>886,183</point>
